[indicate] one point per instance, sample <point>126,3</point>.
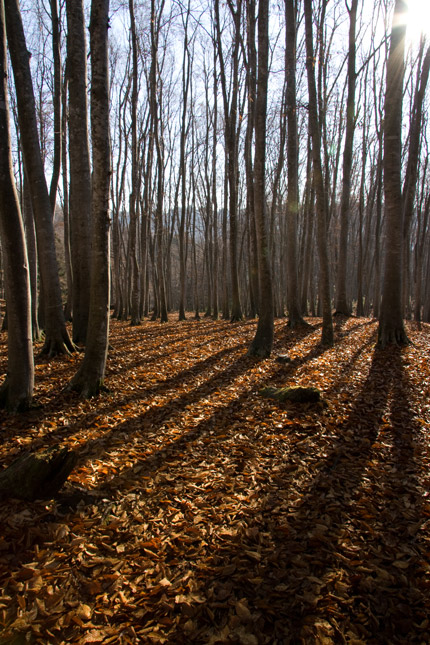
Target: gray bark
<point>391,327</point>
<point>17,390</point>
<point>261,345</point>
<point>56,337</point>
<point>320,189</point>
<point>80,171</point>
<point>89,380</point>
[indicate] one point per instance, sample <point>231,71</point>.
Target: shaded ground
<point>219,516</point>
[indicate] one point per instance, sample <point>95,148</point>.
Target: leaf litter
<point>202,512</point>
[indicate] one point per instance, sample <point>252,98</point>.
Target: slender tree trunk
<point>320,192</point>
<point>186,80</point>
<point>294,312</point>
<point>17,390</point>
<point>56,337</point>
<point>391,327</point>
<point>261,345</point>
<point>411,176</point>
<point>30,236</point>
<point>80,171</point>
<point>56,54</point>
<point>215,296</point>
<point>89,379</point>
<point>251,81</point>
<point>230,131</point>
<point>342,305</point>
<point>133,199</point>
<point>66,214</point>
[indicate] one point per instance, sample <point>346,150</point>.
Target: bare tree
<point>391,327</point>
<point>342,305</point>
<point>17,390</point>
<point>320,189</point>
<point>56,337</point>
<point>231,118</point>
<point>80,170</point>
<point>89,379</point>
<point>261,345</point>
<point>294,312</point>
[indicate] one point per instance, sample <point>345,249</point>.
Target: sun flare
<point>418,19</point>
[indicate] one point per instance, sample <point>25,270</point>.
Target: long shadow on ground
<point>337,564</point>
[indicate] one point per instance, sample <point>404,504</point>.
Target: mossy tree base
<point>296,394</point>
<point>37,475</point>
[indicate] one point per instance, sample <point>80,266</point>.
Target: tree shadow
<point>334,555</point>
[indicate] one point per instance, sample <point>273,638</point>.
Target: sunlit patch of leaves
<point>201,512</point>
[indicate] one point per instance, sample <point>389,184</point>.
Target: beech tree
<point>320,189</point>
<point>391,326</point>
<point>56,336</point>
<point>342,304</point>
<point>133,199</point>
<point>17,390</point>
<point>88,380</point>
<point>294,311</point>
<point>261,345</point>
<point>231,118</point>
<point>79,207</point>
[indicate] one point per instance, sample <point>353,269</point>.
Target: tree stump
<point>37,475</point>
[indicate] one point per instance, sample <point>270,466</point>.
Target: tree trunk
<point>80,171</point>
<point>261,345</point>
<point>30,236</point>
<point>66,212</point>
<point>56,97</point>
<point>342,305</point>
<point>231,144</point>
<point>411,176</point>
<point>327,337</point>
<point>391,327</point>
<point>133,200</point>
<point>88,381</point>
<point>56,337</point>
<point>17,390</point>
<point>293,306</point>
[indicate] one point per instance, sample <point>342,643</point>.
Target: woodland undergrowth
<point>201,512</point>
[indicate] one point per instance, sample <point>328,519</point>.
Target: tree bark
<point>261,345</point>
<point>231,144</point>
<point>411,176</point>
<point>327,337</point>
<point>391,327</point>
<point>133,199</point>
<point>293,306</point>
<point>80,170</point>
<point>56,337</point>
<point>89,380</point>
<point>56,54</point>
<point>17,390</point>
<point>342,304</point>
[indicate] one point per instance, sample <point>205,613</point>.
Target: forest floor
<point>214,515</point>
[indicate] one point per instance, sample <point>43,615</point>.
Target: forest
<point>215,321</point>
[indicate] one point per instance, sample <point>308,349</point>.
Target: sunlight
<point>418,19</point>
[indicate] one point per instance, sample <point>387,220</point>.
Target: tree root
<point>394,336</point>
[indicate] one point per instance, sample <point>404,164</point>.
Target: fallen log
<point>37,475</point>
